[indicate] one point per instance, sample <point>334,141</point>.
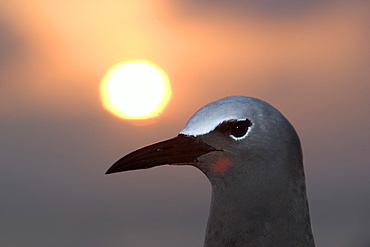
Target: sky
<point>310,59</point>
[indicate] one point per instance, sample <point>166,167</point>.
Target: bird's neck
<point>251,214</point>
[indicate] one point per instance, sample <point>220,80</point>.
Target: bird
<point>252,156</point>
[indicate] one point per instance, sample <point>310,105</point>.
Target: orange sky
<point>321,49</point>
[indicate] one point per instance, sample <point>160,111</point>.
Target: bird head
<point>224,139</point>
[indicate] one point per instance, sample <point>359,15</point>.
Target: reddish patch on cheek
<point>221,166</point>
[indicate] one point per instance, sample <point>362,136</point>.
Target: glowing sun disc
<point>135,89</point>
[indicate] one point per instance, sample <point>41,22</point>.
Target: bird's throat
<point>250,220</point>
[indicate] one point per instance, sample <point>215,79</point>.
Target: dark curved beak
<point>179,150</point>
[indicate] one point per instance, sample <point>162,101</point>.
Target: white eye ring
<point>242,137</point>
<point>247,128</point>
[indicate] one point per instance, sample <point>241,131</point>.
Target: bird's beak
<point>179,150</point>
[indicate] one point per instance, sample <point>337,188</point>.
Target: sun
<point>135,89</point>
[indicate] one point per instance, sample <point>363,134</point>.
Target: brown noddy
<point>252,156</point>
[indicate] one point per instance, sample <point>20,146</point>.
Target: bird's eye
<point>240,128</point>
